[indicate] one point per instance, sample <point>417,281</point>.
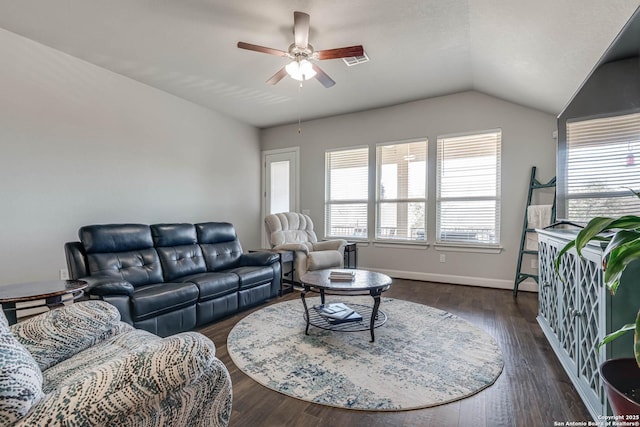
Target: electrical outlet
<point>534,263</point>
<point>64,274</point>
<point>443,257</point>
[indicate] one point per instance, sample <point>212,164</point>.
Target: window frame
<point>328,202</point>
<point>469,243</point>
<point>378,200</point>
<point>564,195</point>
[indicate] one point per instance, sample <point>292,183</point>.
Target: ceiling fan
<point>302,54</point>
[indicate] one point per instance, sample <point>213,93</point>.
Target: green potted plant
<point>622,238</point>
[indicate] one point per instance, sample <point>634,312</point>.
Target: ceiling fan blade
<point>256,48</point>
<point>301,29</point>
<point>323,77</point>
<point>341,52</point>
<point>277,76</point>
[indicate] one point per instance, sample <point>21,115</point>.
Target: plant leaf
<point>591,230</point>
<point>622,238</point>
<point>616,334</point>
<point>627,251</point>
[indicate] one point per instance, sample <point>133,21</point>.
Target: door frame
<point>294,176</point>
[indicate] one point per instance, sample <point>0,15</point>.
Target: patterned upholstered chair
<point>80,365</point>
<point>294,232</point>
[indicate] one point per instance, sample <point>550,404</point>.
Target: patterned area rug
<point>422,357</point>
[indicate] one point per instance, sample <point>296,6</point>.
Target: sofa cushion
<point>180,261</point>
<point>20,378</point>
<point>321,260</point>
<point>216,232</point>
<point>173,234</point>
<point>154,300</point>
<point>220,245</point>
<point>115,237</point>
<point>140,267</point>
<point>289,227</point>
<point>251,276</point>
<point>221,256</point>
<point>212,285</point>
<point>57,335</point>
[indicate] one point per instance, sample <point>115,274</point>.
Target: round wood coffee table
<point>52,291</point>
<point>364,283</point>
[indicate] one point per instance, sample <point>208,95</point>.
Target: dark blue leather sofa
<point>169,278</point>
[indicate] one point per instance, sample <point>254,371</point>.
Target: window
<point>401,170</point>
<point>347,193</point>
<point>602,163</point>
<point>468,189</point>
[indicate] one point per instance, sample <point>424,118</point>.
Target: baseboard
<point>528,285</point>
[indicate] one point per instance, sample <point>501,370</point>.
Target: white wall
<point>82,145</point>
<point>526,141</point>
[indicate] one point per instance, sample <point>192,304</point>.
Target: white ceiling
<point>533,53</point>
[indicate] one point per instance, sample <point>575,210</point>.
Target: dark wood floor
<point>532,391</point>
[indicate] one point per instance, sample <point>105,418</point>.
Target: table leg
<point>374,314</point>
<point>54,302</point>
<point>306,309</point>
<point>9,309</point>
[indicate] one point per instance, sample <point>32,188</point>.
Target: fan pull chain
<point>299,108</point>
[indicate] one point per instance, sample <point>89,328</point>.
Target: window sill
<point>359,240</point>
<point>451,247</point>
<point>401,245</point>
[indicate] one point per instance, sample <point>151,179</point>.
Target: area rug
<point>421,357</point>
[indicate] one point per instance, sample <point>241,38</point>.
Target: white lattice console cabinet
<point>577,312</point>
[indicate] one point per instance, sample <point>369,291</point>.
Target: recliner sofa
<point>169,278</point>
<point>79,365</point>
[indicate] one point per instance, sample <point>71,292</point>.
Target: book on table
<point>338,313</point>
<point>353,317</point>
<point>342,275</point>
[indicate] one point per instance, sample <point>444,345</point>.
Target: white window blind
<point>468,189</point>
<point>346,193</point>
<point>603,162</point>
<point>401,171</point>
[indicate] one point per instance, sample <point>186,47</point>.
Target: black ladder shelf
<point>534,184</point>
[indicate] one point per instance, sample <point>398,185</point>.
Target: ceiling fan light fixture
<point>300,52</point>
<point>300,70</point>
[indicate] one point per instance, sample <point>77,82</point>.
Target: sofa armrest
<point>292,247</point>
<point>106,285</point>
<point>56,335</point>
<point>136,383</point>
<point>76,260</point>
<point>259,258</point>
<point>330,245</point>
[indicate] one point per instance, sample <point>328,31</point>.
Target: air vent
<point>355,60</point>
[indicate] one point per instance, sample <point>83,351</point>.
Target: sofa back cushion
<point>123,251</point>
<point>178,250</point>
<point>220,245</point>
<point>289,227</point>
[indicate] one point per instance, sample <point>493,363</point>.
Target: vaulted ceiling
<point>533,53</point>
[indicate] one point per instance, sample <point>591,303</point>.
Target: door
<point>280,183</point>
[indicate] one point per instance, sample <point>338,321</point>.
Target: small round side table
<point>54,292</point>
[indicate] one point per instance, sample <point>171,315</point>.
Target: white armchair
<point>293,231</point>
